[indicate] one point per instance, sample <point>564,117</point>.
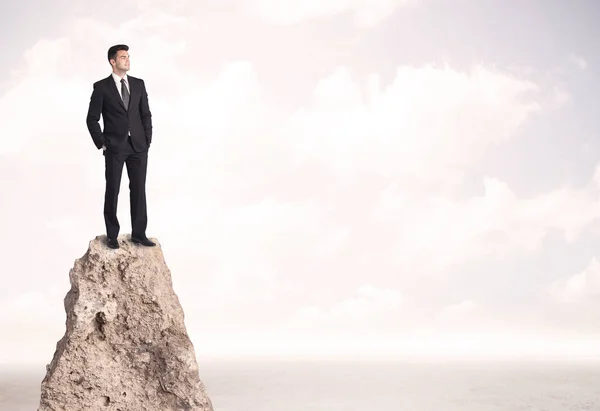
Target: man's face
<point>122,60</point>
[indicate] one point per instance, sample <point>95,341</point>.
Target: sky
<point>333,177</point>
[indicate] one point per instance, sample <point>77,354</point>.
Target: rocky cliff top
<point>125,347</point>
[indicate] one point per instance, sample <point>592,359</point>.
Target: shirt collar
<point>118,79</point>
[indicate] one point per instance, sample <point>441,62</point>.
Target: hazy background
<point>378,177</point>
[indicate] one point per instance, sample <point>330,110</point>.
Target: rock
<point>125,347</point>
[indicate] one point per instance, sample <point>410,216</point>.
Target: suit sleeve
<point>146,115</point>
<point>93,117</point>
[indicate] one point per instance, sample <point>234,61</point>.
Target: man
<point>123,102</point>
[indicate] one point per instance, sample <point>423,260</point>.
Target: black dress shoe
<point>112,243</point>
<point>142,241</point>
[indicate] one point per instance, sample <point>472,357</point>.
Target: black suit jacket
<point>118,121</point>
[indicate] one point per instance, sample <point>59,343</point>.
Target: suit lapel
<point>115,91</point>
<point>132,90</point>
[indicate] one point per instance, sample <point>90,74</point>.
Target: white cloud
<point>38,87</point>
<point>260,206</point>
<point>242,246</point>
<point>578,61</point>
<point>582,287</point>
<point>470,316</point>
<point>369,307</point>
<point>285,12</point>
<point>438,232</point>
<point>428,122</point>
<point>241,143</point>
<point>457,312</point>
<point>366,12</point>
<point>32,313</point>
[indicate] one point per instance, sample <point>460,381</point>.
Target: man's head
<point>118,57</point>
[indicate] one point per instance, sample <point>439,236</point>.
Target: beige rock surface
<point>125,347</point>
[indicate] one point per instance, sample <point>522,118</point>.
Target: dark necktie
<point>124,93</point>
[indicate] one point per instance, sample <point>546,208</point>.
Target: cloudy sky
<point>326,177</point>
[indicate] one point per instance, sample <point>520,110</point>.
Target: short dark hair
<point>112,52</point>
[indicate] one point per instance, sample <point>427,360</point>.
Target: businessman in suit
<point>123,102</point>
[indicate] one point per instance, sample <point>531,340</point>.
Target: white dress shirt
<point>118,83</point>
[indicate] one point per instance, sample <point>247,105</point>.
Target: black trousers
<point>137,164</point>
